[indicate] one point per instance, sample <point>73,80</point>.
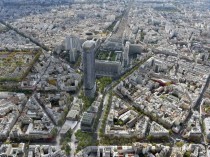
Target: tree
<point>66,111</point>
<point>103,82</point>
<point>69,133</point>
<point>69,99</point>
<point>54,132</point>
<point>150,137</point>
<point>67,149</point>
<point>179,144</point>
<point>64,147</point>
<point>64,142</point>
<point>87,101</point>
<point>187,154</point>
<point>85,139</point>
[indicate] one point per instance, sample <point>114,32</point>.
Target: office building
<point>72,45</point>
<point>89,68</point>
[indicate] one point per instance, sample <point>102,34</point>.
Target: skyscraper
<point>89,68</point>
<point>72,45</point>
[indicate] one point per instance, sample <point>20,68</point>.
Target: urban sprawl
<point>104,78</point>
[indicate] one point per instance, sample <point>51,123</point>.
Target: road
<point>117,36</point>
<point>73,144</point>
<point>105,102</point>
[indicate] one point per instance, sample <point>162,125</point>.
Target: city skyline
<point>105,78</point>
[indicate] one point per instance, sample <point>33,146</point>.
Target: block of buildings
<point>158,131</point>
<point>33,124</point>
<point>11,106</point>
<point>45,151</point>
<point>13,150</point>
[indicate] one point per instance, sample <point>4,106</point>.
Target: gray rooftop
<point>87,118</point>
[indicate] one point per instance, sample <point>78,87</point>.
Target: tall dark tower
<point>89,68</point>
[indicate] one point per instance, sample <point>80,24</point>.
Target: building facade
<point>89,68</point>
